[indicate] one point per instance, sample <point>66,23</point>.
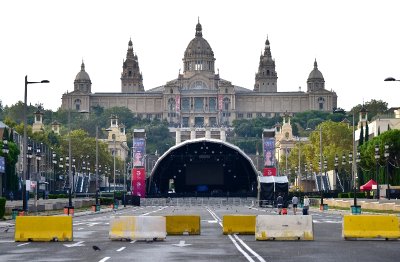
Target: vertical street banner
<point>269,171</point>
<point>138,182</point>
<point>178,103</point>
<point>139,147</point>
<point>269,151</point>
<point>220,102</point>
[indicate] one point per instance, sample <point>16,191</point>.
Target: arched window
<point>171,105</point>
<point>226,101</point>
<point>77,104</point>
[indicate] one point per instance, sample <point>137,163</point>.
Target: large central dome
<point>198,55</point>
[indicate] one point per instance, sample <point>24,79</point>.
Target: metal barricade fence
<point>200,201</point>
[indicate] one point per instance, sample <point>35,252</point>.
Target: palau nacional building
<point>199,97</point>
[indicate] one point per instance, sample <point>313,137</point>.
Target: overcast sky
<point>356,44</point>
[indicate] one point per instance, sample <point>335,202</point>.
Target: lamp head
<point>390,79</point>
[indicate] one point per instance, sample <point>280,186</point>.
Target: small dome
<point>82,75</point>
<point>315,73</point>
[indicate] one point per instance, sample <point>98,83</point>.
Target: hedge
<point>2,207</point>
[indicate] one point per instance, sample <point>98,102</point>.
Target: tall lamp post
<point>25,141</point>
<point>386,154</point>
<point>320,167</point>
<point>377,169</point>
<point>38,158</point>
<point>54,160</point>
<point>5,151</point>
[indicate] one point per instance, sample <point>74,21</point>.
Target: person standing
<point>279,203</point>
<point>295,201</point>
<point>306,205</point>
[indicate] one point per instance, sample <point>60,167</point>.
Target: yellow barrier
<point>239,224</point>
<point>181,224</point>
<point>271,227</point>
<point>371,226</point>
<point>43,228</point>
<point>137,228</point>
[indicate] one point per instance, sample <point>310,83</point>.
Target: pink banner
<point>139,188</point>
<point>138,182</point>
<point>178,103</point>
<point>220,102</point>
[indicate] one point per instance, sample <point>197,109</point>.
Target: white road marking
<point>77,244</point>
<point>145,214</point>
<point>245,254</point>
<point>120,249</point>
<point>23,244</point>
<point>133,241</point>
<point>7,241</point>
<point>104,259</point>
<point>181,244</point>
<point>240,249</point>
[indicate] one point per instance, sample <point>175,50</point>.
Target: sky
<point>356,44</point>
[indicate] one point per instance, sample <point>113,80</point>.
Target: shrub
<point>106,200</point>
<point>2,207</point>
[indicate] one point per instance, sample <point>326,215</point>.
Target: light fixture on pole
<point>38,158</point>
<point>391,79</point>
<point>5,151</point>
<point>377,156</point>
<point>54,160</point>
<point>25,142</point>
<point>386,154</point>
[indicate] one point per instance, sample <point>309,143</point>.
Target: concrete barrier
<point>239,224</point>
<point>137,228</point>
<point>183,224</point>
<point>370,226</point>
<point>272,227</point>
<point>43,228</point>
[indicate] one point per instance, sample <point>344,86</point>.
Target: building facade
<point>199,97</point>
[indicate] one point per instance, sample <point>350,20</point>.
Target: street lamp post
<point>377,169</point>
<point>5,152</point>
<point>25,142</point>
<point>386,154</point>
<point>320,167</point>
<point>38,158</point>
<point>114,152</point>
<point>29,156</point>
<point>54,160</point>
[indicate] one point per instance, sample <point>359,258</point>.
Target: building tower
<point>198,57</point>
<point>38,125</point>
<point>82,83</point>
<point>266,77</point>
<point>315,81</point>
<point>131,78</point>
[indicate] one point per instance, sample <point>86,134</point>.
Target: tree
<point>361,139</point>
<point>374,107</point>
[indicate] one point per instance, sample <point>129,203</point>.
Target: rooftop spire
<point>198,28</point>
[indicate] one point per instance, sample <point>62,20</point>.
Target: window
<point>185,104</point>
<point>259,114</point>
<point>77,103</point>
<point>158,116</point>
<point>226,102</point>
<point>185,121</point>
<point>198,104</point>
<point>213,104</point>
<point>148,116</point>
<point>240,115</point>
<point>249,115</point>
<point>171,104</point>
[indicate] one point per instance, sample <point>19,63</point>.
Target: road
<point>92,230</point>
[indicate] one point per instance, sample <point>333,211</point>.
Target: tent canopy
<point>368,186</point>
